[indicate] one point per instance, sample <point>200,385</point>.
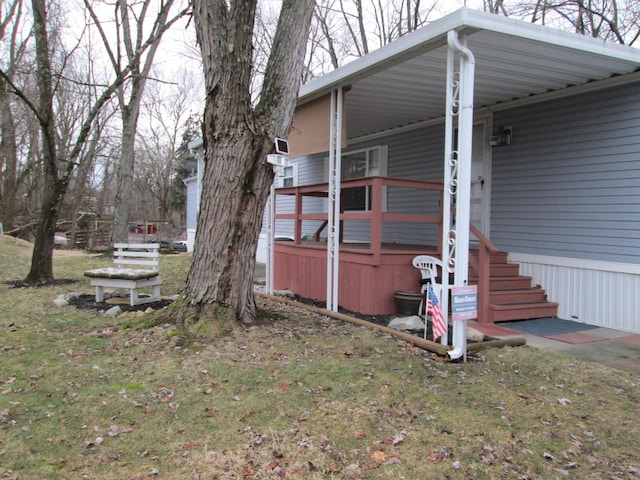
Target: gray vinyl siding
<point>310,170</point>
<point>418,155</point>
<point>569,184</point>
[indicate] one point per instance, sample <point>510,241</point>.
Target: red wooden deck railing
<point>376,215</point>
<point>482,265</point>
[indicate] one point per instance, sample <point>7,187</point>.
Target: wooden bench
<point>126,255</point>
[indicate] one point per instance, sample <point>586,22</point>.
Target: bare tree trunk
<point>124,180</point>
<point>8,160</point>
<point>237,139</point>
<point>232,203</point>
<point>131,45</point>
<point>42,258</point>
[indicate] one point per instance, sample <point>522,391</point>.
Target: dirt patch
<point>377,319</point>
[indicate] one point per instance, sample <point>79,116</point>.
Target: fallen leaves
<point>247,414</point>
<point>528,398</point>
<point>164,394</point>
<point>211,411</point>
<point>379,456</point>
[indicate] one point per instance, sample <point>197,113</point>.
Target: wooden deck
<point>370,273</point>
<point>367,281</point>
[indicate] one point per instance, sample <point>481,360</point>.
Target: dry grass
<point>300,397</point>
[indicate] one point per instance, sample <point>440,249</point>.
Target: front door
<point>480,177</point>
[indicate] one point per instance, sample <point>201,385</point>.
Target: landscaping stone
<point>113,312</point>
<point>413,322</point>
<point>284,293</point>
<point>61,301</point>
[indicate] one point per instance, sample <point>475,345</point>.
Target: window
<point>369,162</point>
<point>287,176</point>
<point>288,180</point>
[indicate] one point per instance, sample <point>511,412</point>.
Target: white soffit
<point>403,82</point>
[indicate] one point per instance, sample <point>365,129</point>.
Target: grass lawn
<point>300,396</point>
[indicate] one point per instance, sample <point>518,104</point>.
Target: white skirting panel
<point>191,239</point>
<point>598,293</point>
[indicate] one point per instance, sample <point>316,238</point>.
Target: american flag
<point>438,323</point>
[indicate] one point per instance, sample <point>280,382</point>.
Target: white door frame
<point>485,121</point>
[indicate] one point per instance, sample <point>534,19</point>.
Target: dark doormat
<point>544,327</point>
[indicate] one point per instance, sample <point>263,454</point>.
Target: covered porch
<point>369,272</point>
<point>457,72</point>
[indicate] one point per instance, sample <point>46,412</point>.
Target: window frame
<point>383,152</point>
<point>281,180</point>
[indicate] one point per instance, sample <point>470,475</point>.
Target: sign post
<point>464,306</point>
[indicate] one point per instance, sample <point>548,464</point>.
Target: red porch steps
<point>512,296</point>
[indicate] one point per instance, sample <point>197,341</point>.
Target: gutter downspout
<point>333,214</point>
<point>463,191</point>
<point>331,200</point>
<point>338,192</point>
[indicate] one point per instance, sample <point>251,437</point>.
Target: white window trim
<point>279,180</point>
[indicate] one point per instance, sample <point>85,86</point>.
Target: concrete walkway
<point>609,347</point>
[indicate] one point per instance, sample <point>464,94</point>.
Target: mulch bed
<point>377,319</point>
<point>88,302</point>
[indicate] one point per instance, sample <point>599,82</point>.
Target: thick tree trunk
<point>42,256</point>
<point>237,139</point>
<point>235,188</point>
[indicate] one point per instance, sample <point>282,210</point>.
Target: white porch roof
<point>513,60</point>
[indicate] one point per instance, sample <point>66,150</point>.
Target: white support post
<point>462,185</point>
<point>336,206</point>
<point>271,217</point>
<point>450,183</point>
<point>331,200</point>
<point>335,165</point>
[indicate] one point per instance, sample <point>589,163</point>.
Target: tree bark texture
<point>237,139</point>
<point>8,160</point>
<point>42,257</point>
<point>124,176</point>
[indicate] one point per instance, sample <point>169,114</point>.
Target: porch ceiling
<point>404,82</point>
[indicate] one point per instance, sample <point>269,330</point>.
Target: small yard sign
<point>464,303</point>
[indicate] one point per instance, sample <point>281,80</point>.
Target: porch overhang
<point>403,83</point>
